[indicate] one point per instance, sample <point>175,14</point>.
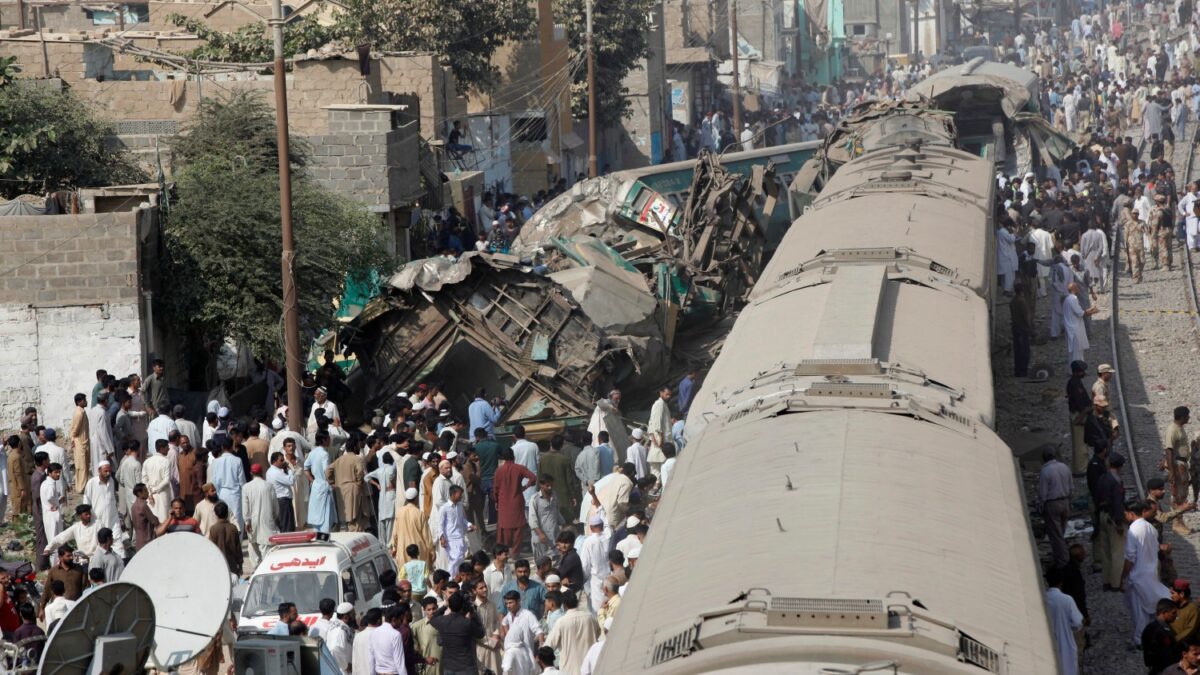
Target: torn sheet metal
<point>1017,86</point>
<point>499,324</point>
<point>594,290</point>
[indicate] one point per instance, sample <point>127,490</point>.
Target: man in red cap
<point>261,512</point>
<point>1188,619</point>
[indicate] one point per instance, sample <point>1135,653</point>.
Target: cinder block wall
<point>69,304</point>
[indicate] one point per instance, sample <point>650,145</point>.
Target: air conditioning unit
<point>266,657</point>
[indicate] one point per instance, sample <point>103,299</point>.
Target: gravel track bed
<point>1157,347</point>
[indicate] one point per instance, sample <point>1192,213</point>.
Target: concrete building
<point>74,296</point>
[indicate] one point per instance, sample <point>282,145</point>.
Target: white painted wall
<point>48,354</point>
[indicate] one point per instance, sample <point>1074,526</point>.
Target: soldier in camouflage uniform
<point>1131,228</point>
<point>1163,231</point>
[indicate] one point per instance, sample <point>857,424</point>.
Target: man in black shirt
<point>1160,649</point>
<point>1079,403</point>
<point>457,629</point>
<point>570,567</point>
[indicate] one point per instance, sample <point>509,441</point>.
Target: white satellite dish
<point>111,629</point>
<point>187,578</point>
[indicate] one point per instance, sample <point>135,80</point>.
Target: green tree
<point>465,32</point>
<point>50,140</point>
<point>222,237</point>
<point>619,32</point>
<point>252,43</point>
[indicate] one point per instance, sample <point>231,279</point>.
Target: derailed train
<point>843,504</point>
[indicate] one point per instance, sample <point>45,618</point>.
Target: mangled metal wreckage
<point>599,285</point>
<point>991,109</point>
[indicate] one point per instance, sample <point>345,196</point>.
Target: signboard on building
<point>681,101</point>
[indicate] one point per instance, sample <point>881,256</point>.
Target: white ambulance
<point>303,570</point>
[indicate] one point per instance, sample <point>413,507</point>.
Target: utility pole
<point>733,53</point>
<point>293,365</point>
<point>593,169</point>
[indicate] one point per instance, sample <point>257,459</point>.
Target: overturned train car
<point>881,524</point>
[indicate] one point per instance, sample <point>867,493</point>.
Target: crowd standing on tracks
<point>1125,81</point>
<point>509,555</point>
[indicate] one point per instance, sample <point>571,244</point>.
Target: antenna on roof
<point>188,580</point>
<point>109,631</point>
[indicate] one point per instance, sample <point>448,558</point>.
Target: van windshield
<point>306,589</point>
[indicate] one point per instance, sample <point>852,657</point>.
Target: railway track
<point>1154,332</point>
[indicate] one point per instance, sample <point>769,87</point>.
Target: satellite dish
<point>187,578</point>
<point>112,627</point>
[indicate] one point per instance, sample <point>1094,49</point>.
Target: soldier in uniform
<point>1163,229</point>
<point>1131,229</point>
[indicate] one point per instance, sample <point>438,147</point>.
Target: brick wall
<point>434,87</point>
<point>70,306</point>
<point>70,259</point>
<point>368,157</point>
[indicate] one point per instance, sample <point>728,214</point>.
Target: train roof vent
<point>827,613</point>
<point>851,390</point>
<point>976,653</point>
<point>839,367</point>
<point>672,644</point>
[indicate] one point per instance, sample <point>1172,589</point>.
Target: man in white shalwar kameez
<point>260,508</point>
<point>453,525</point>
<point>1043,252</point>
<point>1143,590</point>
<point>1006,257</point>
<point>101,493</point>
<point>1065,619</point>
<point>1093,246</point>
<point>1060,277</point>
<point>1185,210</point>
<point>1073,314</point>
<point>100,437</point>
<point>593,557</point>
<point>52,502</point>
<point>156,474</point>
<point>659,428</point>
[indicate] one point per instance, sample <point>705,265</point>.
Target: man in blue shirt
<point>287,614</point>
<point>483,415</point>
<point>533,593</point>
<point>687,387</point>
<point>605,452</point>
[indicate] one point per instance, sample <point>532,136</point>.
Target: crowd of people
<point>510,554</point>
<point>1123,82</point>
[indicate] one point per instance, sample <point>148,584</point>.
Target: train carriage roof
<point>839,504</point>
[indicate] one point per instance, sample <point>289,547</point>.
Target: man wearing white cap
<point>339,638</point>
<point>410,526</point>
<point>322,401</point>
<point>101,493</point>
<point>637,454</point>
<point>593,555</point>
<point>747,137</point>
